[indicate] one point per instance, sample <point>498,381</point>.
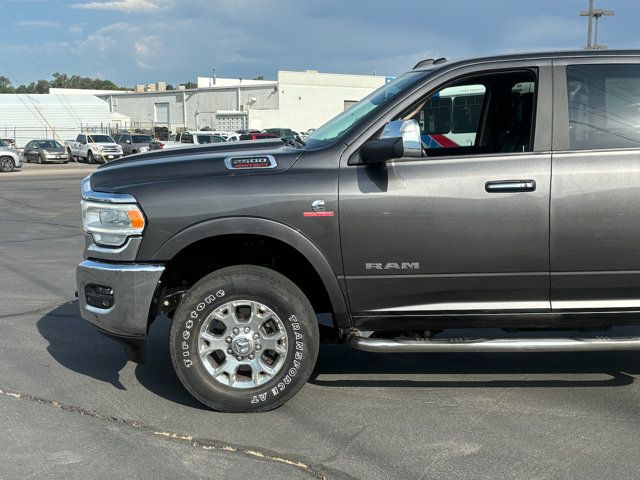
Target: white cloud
<point>148,50</point>
<point>123,5</point>
<point>76,30</point>
<point>37,24</point>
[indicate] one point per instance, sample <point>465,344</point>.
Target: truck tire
<point>90,158</point>
<point>7,164</point>
<point>244,339</point>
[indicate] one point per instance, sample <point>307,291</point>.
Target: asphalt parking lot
<point>71,407</point>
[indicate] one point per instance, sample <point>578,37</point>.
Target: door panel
<point>595,212</point>
<point>476,250</point>
<point>595,230</point>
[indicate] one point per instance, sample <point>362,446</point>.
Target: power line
<point>67,106</point>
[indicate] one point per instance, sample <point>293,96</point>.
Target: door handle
<point>499,186</point>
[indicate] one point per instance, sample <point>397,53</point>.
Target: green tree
<point>59,80</point>
<point>5,85</point>
<point>62,80</point>
<point>42,86</point>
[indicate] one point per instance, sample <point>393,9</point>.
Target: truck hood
<point>190,162</point>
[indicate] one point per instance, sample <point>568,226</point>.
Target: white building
<point>309,99</point>
<point>296,100</point>
<point>24,117</point>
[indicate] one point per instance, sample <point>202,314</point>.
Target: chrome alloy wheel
<point>243,344</point>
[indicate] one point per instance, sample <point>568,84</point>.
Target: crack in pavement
<point>39,310</point>
<point>316,471</point>
<point>39,222</point>
<point>55,237</point>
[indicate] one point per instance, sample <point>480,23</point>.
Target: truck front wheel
<point>90,158</point>
<point>244,339</point>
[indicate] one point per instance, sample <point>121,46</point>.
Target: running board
<point>597,344</point>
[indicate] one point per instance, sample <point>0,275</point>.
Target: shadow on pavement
<point>360,369</point>
<point>77,345</point>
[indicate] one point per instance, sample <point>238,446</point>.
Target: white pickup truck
<point>185,139</point>
<point>94,148</point>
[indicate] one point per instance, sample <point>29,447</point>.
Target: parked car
<point>183,139</point>
<point>257,136</point>
<point>94,148</point>
<point>497,194</point>
<point>286,134</point>
<point>45,151</point>
<point>10,158</point>
<point>133,143</point>
<point>222,133</point>
<point>156,145</point>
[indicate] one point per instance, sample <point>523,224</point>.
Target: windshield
<point>140,138</point>
<point>339,125</point>
<point>100,139</point>
<point>49,144</point>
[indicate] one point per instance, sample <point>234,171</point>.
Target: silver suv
<point>132,143</point>
<point>10,159</point>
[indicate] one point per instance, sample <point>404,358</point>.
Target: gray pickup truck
<point>496,195</point>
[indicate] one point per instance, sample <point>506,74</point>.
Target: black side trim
<point>582,319</point>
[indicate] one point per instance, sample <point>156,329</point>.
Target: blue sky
<point>141,41</point>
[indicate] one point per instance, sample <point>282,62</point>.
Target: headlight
<point>111,224</point>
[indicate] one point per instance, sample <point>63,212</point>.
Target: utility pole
<point>594,13</point>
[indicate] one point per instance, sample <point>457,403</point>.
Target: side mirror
<point>381,150</point>
<point>409,131</point>
<point>400,138</point>
<point>128,141</point>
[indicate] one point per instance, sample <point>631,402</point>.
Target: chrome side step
<point>449,345</point>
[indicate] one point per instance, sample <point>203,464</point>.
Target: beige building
<point>296,100</point>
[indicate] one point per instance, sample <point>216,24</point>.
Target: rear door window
<point>604,106</point>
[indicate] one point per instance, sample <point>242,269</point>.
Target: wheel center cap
<point>242,345</point>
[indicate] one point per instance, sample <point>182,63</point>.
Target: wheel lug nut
<point>252,356</point>
<point>228,339</point>
<point>256,336</point>
<point>229,350</point>
<point>258,346</point>
<point>239,358</point>
<point>247,329</point>
<point>235,331</point>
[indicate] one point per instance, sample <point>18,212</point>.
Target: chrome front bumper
<point>133,287</point>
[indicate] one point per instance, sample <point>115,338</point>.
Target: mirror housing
<point>381,150</point>
<point>400,138</point>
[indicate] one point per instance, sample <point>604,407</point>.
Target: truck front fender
<point>265,228</point>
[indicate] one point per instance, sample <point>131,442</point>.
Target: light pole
<point>595,13</point>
